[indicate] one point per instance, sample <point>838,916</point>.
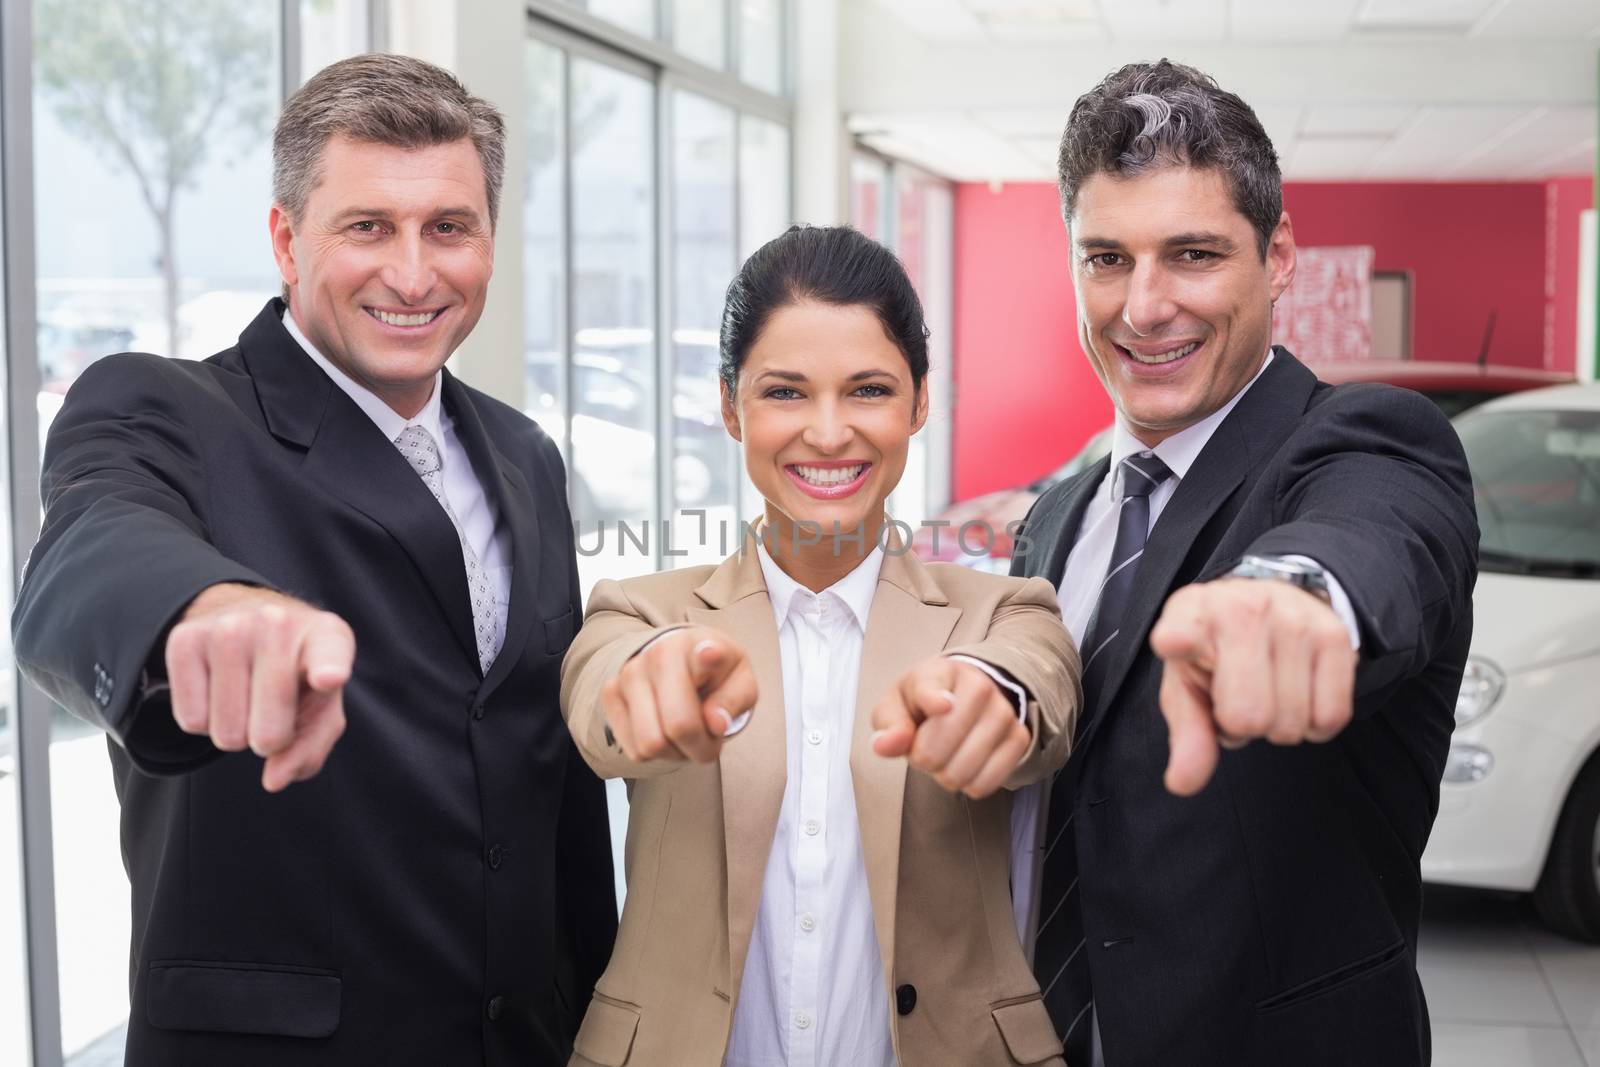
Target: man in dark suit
<point>1270,581</point>
<point>320,532</point>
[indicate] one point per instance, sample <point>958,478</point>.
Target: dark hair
<point>1151,115</point>
<point>831,265</point>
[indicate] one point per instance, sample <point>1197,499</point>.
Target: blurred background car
<point>1519,809</point>
<point>979,531</point>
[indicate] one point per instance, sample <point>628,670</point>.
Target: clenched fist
<point>256,669</point>
<point>954,724</point>
<point>1243,659</point>
<point>681,697</point>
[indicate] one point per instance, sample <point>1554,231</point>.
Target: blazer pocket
<point>1026,1028</point>
<point>606,1036</point>
<point>1335,979</point>
<point>242,998</point>
<point>558,633</point>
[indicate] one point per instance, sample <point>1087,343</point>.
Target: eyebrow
<point>796,376</point>
<point>466,213</point>
<point>1177,240</point>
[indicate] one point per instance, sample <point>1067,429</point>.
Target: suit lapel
<point>1062,523</point>
<point>348,456</point>
<point>516,511</point>
<point>910,621</point>
<point>754,764</point>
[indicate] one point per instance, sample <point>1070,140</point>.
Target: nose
<point>408,269</point>
<point>1149,305</point>
<point>829,430</point>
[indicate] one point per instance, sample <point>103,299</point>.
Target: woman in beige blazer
<point>819,734</point>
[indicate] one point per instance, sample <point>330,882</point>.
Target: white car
<point>1519,808</point>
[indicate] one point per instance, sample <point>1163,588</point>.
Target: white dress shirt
<point>1080,589</point>
<point>473,507</point>
<point>813,992</point>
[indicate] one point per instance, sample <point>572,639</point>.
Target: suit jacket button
<point>905,999</point>
<point>477,711</point>
<point>497,1008</point>
<point>497,855</point>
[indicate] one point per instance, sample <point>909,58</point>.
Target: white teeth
<point>1165,357</point>
<point>403,320</point>
<point>824,477</point>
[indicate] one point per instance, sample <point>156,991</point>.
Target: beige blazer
<point>937,864</point>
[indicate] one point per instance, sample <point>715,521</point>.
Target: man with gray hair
<point>1270,582</point>
<point>317,592</point>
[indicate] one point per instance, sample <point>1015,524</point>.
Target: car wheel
<point>1568,895</point>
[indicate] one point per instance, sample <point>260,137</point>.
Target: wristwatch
<point>1301,573</point>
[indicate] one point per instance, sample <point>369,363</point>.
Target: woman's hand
<point>954,724</point>
<point>681,697</point>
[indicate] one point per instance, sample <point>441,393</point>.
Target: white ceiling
<point>978,90</point>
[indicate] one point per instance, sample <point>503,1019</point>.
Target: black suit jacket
<point>442,892</point>
<point>1272,919</point>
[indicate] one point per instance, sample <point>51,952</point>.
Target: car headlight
<point>1481,687</point>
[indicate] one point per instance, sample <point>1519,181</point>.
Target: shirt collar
<point>1180,450</point>
<point>854,590</point>
<point>388,420</point>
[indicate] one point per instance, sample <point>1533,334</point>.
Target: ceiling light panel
<point>1444,16</point>
<point>1552,20</point>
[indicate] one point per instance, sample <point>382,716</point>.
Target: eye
<point>782,392</point>
<point>874,391</point>
<point>448,229</point>
<point>1103,259</point>
<point>364,226</point>
<point>1196,255</point>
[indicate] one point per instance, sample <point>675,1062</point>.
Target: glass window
<point>612,439</point>
<point>13,955</point>
<point>761,43</point>
<point>703,251</point>
<point>869,197</point>
<point>544,303</point>
<point>764,213</point>
<point>700,30</point>
<point>637,16</point>
<point>331,30</point>
<point>172,149</point>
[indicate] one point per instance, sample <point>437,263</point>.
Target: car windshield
<point>1536,479</point>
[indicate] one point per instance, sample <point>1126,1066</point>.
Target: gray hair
<point>1146,116</point>
<point>382,99</point>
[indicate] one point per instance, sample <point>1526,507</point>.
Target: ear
<point>282,232</point>
<point>1281,256</point>
<point>919,417</point>
<point>730,414</point>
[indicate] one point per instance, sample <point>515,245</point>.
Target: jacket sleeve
<point>1376,490</point>
<point>123,551</point>
<point>1027,641</point>
<point>614,630</point>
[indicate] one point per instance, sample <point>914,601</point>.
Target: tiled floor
<point>1504,992</point>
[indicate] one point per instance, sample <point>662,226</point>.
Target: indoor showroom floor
<point>1502,990</point>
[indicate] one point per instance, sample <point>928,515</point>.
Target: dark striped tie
<point>1060,953</point>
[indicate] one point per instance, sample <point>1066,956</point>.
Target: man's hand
<point>954,724</point>
<point>253,668</point>
<point>680,697</point>
<point>1243,659</point>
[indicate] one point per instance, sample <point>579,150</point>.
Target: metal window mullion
<point>30,724</point>
<point>666,447</point>
<point>569,261</point>
<point>289,49</point>
<point>377,25</point>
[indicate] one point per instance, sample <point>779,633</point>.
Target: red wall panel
<point>1026,398</point>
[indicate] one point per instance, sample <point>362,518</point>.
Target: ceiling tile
<point>1189,21</point>
<point>1557,20</point>
<point>1024,122</point>
<point>1441,15</point>
<point>1519,148</point>
<point>936,19</point>
<point>1334,158</point>
<point>1437,137</point>
<point>1321,120</point>
<point>1274,20</point>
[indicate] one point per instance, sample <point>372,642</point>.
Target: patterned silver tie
<point>422,452</point>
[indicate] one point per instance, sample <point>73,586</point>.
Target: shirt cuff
<point>1337,599</point>
<point>1008,685</point>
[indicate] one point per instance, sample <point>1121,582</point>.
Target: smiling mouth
<point>389,318</point>
<point>828,477</point>
<point>1158,359</point>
